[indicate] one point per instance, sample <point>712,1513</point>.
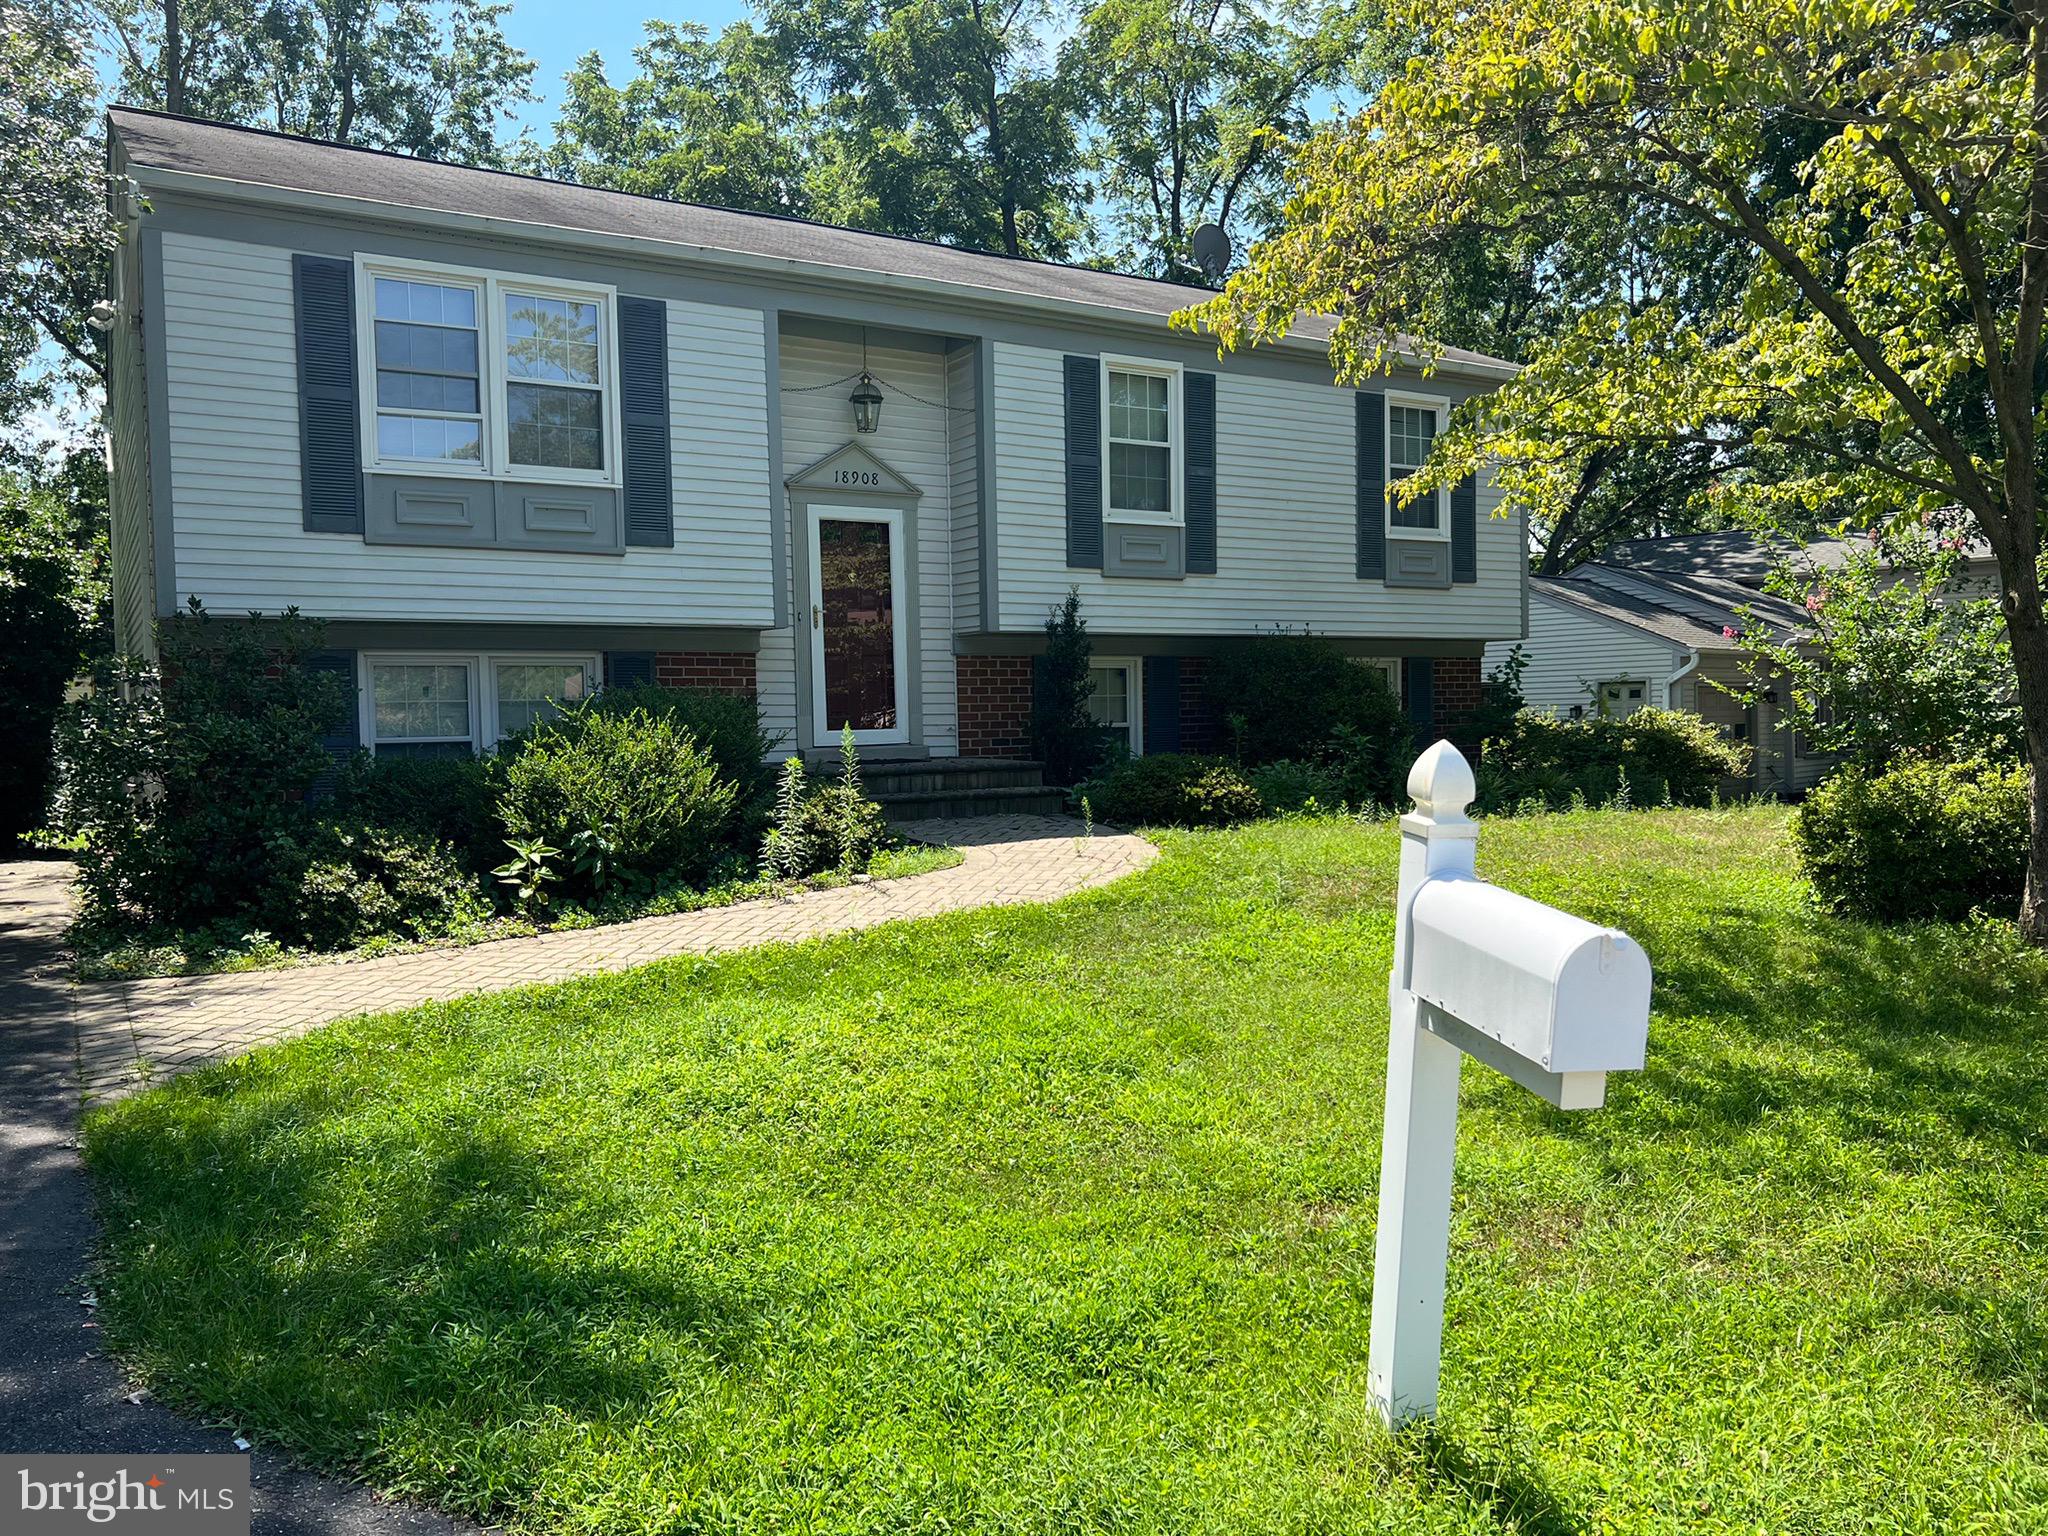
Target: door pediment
<point>850,470</point>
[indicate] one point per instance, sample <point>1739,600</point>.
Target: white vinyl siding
<point>966,489</point>
<point>1572,653</point>
<point>914,441</point>
<point>1286,528</point>
<point>233,386</point>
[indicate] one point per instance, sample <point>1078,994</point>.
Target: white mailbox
<point>1548,999</point>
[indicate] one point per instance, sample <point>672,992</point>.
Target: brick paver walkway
<point>129,1032</point>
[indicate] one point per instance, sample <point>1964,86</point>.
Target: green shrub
<point>635,780</point>
<point>1063,733</point>
<point>181,780</point>
<point>351,884</point>
<point>727,725</point>
<point>451,800</point>
<point>1651,757</point>
<point>1298,698</point>
<point>1169,789</point>
<point>841,829</point>
<point>1287,787</point>
<point>1921,840</point>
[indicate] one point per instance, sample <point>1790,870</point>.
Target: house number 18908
<point>856,477</point>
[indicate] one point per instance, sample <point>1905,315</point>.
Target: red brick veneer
<point>713,671</point>
<point>995,705</point>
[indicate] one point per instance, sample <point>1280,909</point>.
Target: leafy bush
<point>1298,698</point>
<point>1170,789</point>
<point>352,884</point>
<point>182,780</point>
<point>1063,733</point>
<point>1286,787</point>
<point>451,800</point>
<point>1648,758</point>
<point>842,829</point>
<point>726,725</point>
<point>1920,840</point>
<point>637,782</point>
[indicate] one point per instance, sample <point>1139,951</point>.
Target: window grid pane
<point>1411,431</point>
<point>1140,478</point>
<point>429,394</point>
<point>1110,703</point>
<point>420,701</point>
<point>529,691</point>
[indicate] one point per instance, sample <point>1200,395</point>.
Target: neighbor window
<point>1114,704</point>
<point>1138,441</point>
<point>1412,430</point>
<point>488,374</point>
<point>439,705</point>
<point>1623,697</point>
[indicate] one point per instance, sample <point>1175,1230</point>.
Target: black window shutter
<point>1465,529</point>
<point>1372,487</point>
<point>628,669</point>
<point>1084,462</point>
<point>1418,682</point>
<point>1162,703</point>
<point>643,421</point>
<point>347,734</point>
<point>330,453</point>
<point>1198,410</point>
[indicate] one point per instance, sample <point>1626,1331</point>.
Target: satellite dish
<point>1212,250</point>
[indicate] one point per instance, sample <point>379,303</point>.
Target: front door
<point>859,651</point>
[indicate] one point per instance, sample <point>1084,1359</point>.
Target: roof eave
<point>204,185</point>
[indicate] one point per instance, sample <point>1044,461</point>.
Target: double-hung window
<point>439,704</point>
<point>1414,422</point>
<point>489,373</point>
<point>1114,706</point>
<point>1141,441</point>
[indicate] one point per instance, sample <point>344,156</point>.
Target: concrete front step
<point>886,779</point>
<point>1004,800</point>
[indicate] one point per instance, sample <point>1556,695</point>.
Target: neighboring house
<point>514,439</point>
<point>1749,560</point>
<point>1615,639</point>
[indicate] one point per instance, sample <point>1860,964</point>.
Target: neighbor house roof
<point>1688,610</point>
<point>175,150</point>
<point>1742,557</point>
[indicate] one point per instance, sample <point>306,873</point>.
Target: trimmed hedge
<point>1298,698</point>
<point>1657,755</point>
<point>1169,789</point>
<point>1922,840</point>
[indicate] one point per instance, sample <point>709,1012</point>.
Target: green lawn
<point>1061,1219</point>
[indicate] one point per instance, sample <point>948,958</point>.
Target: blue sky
<point>556,33</point>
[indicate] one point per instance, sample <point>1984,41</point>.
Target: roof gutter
<point>1692,660</point>
<point>748,262</point>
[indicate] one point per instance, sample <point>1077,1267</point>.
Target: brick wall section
<point>712,671</point>
<point>995,706</point>
<point>1200,729</point>
<point>1456,694</point>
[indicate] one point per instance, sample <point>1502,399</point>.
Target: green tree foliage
<point>1063,732</point>
<point>706,120</point>
<point>1878,171</point>
<point>53,205</point>
<point>434,78</point>
<point>1192,107</point>
<point>940,119</point>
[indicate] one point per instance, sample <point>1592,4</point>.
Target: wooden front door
<point>859,640</point>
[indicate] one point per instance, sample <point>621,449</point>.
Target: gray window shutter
<point>1084,462</point>
<point>1198,411</point>
<point>330,451</point>
<point>1162,703</point>
<point>1418,681</point>
<point>644,422</point>
<point>1465,529</point>
<point>628,669</point>
<point>1372,487</point>
<point>347,734</point>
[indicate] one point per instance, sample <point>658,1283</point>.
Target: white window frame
<point>1441,405</point>
<point>1391,668</point>
<point>1176,515</point>
<point>494,461</point>
<point>485,728</point>
<point>1133,669</point>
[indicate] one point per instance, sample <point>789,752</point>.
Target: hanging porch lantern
<point>867,404</point>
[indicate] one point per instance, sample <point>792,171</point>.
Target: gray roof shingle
<point>255,157</point>
<point>1685,609</point>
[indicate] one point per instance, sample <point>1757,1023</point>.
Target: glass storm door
<point>857,629</point>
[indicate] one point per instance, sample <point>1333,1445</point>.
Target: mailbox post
<point>1551,1001</point>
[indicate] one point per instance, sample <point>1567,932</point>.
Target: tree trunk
<point>173,60</point>
<point>2029,635</point>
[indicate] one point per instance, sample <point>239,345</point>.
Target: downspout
<point>1692,660</point>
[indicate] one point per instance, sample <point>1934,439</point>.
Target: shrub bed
<point>1299,699</point>
<point>1169,789</point>
<point>1652,757</point>
<point>1922,840</point>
